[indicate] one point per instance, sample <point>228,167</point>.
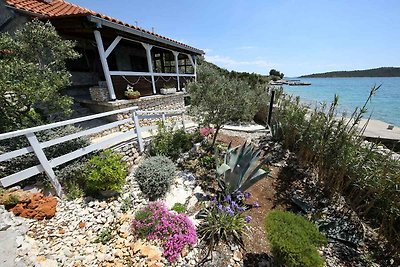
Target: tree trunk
<point>215,135</point>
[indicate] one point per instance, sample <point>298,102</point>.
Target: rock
<point>19,240</point>
<point>153,253</point>
<point>47,263</point>
<point>185,251</point>
<point>157,264</point>
<point>237,255</point>
<point>8,248</point>
<point>192,202</point>
<point>118,253</point>
<point>177,194</point>
<point>137,246</point>
<point>14,197</point>
<point>37,207</point>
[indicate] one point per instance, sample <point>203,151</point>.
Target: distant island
<point>378,72</point>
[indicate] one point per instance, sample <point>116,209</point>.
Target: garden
<point>310,192</point>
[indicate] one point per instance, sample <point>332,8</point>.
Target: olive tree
<point>32,73</point>
<point>217,100</point>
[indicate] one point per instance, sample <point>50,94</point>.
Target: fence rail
<point>47,166</point>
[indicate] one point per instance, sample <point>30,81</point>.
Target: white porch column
<point>150,64</point>
<point>104,64</point>
<point>193,61</point>
<point>195,69</point>
<point>176,54</point>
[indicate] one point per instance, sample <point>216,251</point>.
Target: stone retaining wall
<point>148,103</point>
<point>129,151</point>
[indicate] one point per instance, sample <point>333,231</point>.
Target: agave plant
<point>241,168</point>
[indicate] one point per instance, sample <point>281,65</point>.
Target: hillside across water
<point>378,72</point>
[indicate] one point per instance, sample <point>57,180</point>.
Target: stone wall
<point>152,103</point>
<point>147,103</point>
<point>129,151</point>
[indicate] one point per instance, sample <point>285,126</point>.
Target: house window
<point>185,66</point>
<point>163,61</point>
<point>128,56</point>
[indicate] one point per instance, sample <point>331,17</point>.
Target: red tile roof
<point>58,8</point>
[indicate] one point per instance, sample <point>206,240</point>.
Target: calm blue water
<point>353,92</point>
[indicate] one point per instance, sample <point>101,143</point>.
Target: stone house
<point>115,54</point>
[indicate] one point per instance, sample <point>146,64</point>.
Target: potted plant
<point>168,88</point>
<point>131,93</point>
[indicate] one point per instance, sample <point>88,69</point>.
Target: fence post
<point>163,118</point>
<point>138,132</point>
<point>37,149</point>
<point>183,121</point>
<point>271,106</point>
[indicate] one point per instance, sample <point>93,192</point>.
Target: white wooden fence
<point>47,165</point>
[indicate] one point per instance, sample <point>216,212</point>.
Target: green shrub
<point>182,140</point>
<point>73,190</point>
<point>12,200</point>
<point>179,208</point>
<point>71,176</point>
<point>170,143</point>
<point>208,161</point>
<point>155,176</point>
<point>196,137</point>
<point>105,235</point>
<point>145,216</point>
<point>105,171</point>
<point>293,239</point>
<point>127,204</point>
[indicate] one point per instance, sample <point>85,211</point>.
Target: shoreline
<point>313,103</point>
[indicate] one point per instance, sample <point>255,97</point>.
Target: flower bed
<point>175,231</point>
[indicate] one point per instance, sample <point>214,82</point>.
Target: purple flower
<point>256,205</point>
<point>246,195</point>
<point>247,219</point>
<point>228,198</point>
<point>229,211</point>
<point>234,204</point>
<point>219,206</point>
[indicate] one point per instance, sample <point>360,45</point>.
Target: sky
<point>293,36</point>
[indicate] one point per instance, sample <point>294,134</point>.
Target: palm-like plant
<point>241,168</point>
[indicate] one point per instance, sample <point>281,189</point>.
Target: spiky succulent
<point>241,168</point>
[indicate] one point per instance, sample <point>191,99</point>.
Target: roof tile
<point>57,8</point>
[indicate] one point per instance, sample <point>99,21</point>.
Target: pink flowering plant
<point>206,131</point>
<point>175,231</point>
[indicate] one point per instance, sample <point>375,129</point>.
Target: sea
<point>353,92</point>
